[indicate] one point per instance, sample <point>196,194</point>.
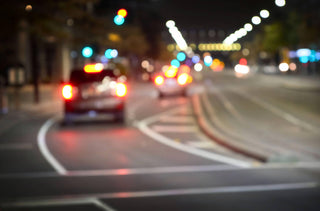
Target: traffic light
<point>120,17</point>
<point>87,52</point>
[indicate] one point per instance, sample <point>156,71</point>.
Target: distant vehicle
<point>172,82</point>
<point>92,92</point>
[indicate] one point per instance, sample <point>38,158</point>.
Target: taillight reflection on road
<point>121,89</point>
<point>67,92</point>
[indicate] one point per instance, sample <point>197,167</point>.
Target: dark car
<point>93,92</point>
<point>172,82</point>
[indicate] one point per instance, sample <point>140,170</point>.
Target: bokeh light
<point>256,20</point>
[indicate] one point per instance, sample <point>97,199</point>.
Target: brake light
<point>183,78</point>
<point>67,92</point>
<point>171,72</point>
<point>93,68</point>
<point>159,80</point>
<point>121,89</point>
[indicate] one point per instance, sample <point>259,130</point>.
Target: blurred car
<point>92,92</point>
<point>172,82</point>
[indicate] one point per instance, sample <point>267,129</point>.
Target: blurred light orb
<point>181,56</point>
<point>242,69</point>
<point>248,27</point>
<point>114,53</point>
<point>145,64</point>
<point>256,20</point>
<point>170,23</point>
<point>246,52</point>
<point>198,67</point>
<point>28,8</point>
<point>122,12</point>
<point>280,3</point>
<point>243,32</point>
<point>264,13</point>
<point>107,53</point>
<point>283,67</point>
<point>292,66</point>
<point>195,59</point>
<point>208,60</point>
<point>87,52</point>
<point>118,20</point>
<point>175,63</point>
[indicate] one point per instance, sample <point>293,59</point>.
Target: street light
<point>248,27</point>
<point>264,13</point>
<point>256,20</point>
<point>280,3</point>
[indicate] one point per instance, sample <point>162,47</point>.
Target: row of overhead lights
<point>209,47</point>
<point>255,20</point>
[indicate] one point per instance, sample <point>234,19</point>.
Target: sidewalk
<point>22,100</point>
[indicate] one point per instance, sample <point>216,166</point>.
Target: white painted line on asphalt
<point>279,112</point>
<point>178,119</point>
<point>59,201</point>
<point>153,170</point>
<point>90,198</point>
<point>164,170</point>
<point>44,149</point>
<point>143,127</point>
<point>101,205</point>
<point>213,190</point>
<point>174,128</point>
<point>16,146</point>
<point>202,144</point>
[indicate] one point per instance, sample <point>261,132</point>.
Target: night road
<point>233,143</point>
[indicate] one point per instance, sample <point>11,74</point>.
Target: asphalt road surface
<point>162,160</point>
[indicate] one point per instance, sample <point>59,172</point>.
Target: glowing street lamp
<point>248,27</point>
<point>280,3</point>
<point>256,20</point>
<point>264,13</point>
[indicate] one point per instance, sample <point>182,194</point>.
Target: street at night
<point>160,105</point>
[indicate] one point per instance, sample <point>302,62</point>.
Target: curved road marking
<point>143,127</point>
<point>41,139</point>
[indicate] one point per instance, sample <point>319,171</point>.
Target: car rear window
<point>80,77</point>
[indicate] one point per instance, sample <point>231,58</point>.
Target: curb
<point>207,129</point>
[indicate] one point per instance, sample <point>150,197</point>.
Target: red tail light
<point>121,89</point>
<point>183,78</point>
<point>67,92</point>
<point>159,80</point>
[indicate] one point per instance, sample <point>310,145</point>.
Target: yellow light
<point>159,80</point>
<point>28,8</point>
<point>93,68</point>
<point>171,72</point>
<point>122,12</point>
<point>121,89</point>
<point>114,37</point>
<point>67,92</point>
<point>183,78</point>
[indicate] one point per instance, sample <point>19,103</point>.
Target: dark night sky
<point>211,14</point>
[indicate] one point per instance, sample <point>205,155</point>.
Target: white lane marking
<point>279,112</point>
<point>143,127</point>
<point>202,144</point>
<point>154,170</point>
<point>90,198</point>
<point>16,146</point>
<point>59,202</point>
<point>164,170</point>
<point>101,205</point>
<point>44,149</point>
<point>177,119</point>
<point>56,165</point>
<point>174,128</point>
